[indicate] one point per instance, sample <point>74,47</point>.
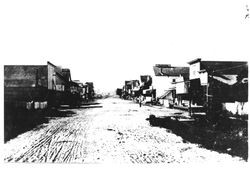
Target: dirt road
<point>116,133</point>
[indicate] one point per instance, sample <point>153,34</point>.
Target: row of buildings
<point>204,86</point>
<point>138,89</point>
<point>42,86</point>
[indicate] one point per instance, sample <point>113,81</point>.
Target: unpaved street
<point>116,133</point>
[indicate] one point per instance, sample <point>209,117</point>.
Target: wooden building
<point>89,91</point>
<point>218,84</point>
<point>211,86</point>
<point>175,84</point>
<point>36,86</point>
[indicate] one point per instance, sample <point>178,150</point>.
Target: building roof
<point>163,65</point>
<point>72,83</point>
<point>49,63</point>
<point>62,73</point>
<point>222,67</point>
<point>172,71</point>
<point>80,84</point>
<point>194,61</point>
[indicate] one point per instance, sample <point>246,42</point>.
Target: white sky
<point>108,42</point>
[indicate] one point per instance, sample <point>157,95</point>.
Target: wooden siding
<point>25,76</point>
<point>14,94</point>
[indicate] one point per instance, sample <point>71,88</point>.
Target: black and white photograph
<point>135,83</point>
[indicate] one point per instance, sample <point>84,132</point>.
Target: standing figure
<point>140,100</point>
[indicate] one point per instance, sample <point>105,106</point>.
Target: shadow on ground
<point>18,121</point>
<point>225,136</point>
<point>82,106</point>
